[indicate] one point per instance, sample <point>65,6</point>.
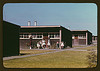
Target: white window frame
<point>37,35</point>
<point>23,36</point>
<point>53,34</point>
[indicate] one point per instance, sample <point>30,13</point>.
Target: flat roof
<point>47,26</point>
<point>39,26</point>
<point>79,30</point>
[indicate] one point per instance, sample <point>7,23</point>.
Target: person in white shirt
<point>48,43</point>
<point>38,45</point>
<point>43,44</point>
<point>62,45</point>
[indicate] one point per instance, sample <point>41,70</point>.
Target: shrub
<point>92,59</point>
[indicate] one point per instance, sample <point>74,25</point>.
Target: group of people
<point>42,44</point>
<point>60,45</point>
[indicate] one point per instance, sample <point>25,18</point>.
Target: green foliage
<point>92,59</point>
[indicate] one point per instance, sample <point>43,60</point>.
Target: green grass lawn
<point>64,59</point>
<point>26,52</point>
<point>89,48</point>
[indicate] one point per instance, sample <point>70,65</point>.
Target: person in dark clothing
<point>30,42</point>
<point>57,45</point>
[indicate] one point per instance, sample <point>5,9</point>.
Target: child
<point>62,45</point>
<point>38,45</point>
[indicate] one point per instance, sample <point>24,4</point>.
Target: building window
<point>80,35</point>
<point>56,35</point>
<point>84,36</point>
<point>51,36</point>
<point>21,35</point>
<point>26,35</point>
<point>76,35</point>
<point>34,35</point>
<point>39,35</point>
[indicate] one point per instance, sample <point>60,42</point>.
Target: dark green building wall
<point>66,37</point>
<point>89,38</point>
<point>10,39</point>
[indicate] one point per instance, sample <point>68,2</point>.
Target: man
<point>30,42</point>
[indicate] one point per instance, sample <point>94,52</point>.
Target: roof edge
<point>11,23</point>
<point>39,26</point>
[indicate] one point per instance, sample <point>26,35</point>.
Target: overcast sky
<point>75,16</point>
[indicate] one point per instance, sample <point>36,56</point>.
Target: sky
<point>75,16</point>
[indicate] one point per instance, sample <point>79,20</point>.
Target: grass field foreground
<point>89,48</point>
<point>64,59</point>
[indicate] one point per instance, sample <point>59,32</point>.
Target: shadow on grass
<point>23,54</point>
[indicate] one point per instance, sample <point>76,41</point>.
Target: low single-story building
<point>94,38</point>
<point>51,35</point>
<point>10,39</point>
<point>81,37</point>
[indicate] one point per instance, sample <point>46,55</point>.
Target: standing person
<point>30,42</point>
<point>43,44</point>
<point>48,43</point>
<point>57,45</point>
<point>62,45</point>
<point>38,45</point>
